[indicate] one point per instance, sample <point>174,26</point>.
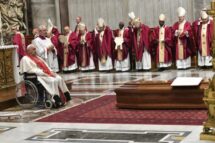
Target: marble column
<point>64,13</point>
<point>42,10</point>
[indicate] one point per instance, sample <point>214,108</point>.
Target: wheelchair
<point>31,93</point>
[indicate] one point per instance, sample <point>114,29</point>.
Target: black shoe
<point>58,101</point>
<point>67,95</point>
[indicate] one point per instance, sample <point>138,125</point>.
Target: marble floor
<point>17,125</point>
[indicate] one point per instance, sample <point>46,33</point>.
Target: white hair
<point>101,22</point>
<point>41,27</point>
<point>30,46</point>
<point>81,25</point>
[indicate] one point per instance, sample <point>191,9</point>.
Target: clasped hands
<point>178,34</point>
<point>50,48</point>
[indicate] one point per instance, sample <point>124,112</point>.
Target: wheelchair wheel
<point>26,94</point>
<point>48,104</point>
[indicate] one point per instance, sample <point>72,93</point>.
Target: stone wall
<point>112,11</point>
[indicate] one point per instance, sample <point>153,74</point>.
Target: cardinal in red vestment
<point>70,53</point>
<point>162,44</point>
<point>104,46</point>
<point>183,41</point>
<point>141,45</point>
<point>131,16</point>
<point>85,49</point>
<point>203,34</point>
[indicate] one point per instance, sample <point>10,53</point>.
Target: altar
<point>9,74</point>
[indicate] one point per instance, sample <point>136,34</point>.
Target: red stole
<point>41,65</point>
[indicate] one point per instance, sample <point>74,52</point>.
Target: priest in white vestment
<point>45,49</point>
<point>53,83</point>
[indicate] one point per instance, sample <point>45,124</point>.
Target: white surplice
<point>49,57</point>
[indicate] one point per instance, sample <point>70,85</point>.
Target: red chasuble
<point>187,42</point>
<point>167,43</point>
<point>141,42</point>
<point>84,50</point>
<point>73,41</point>
<point>197,29</point>
<point>105,48</point>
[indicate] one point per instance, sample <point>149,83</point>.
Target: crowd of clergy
<point>132,47</point>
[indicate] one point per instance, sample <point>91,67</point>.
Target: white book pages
<point>187,81</point>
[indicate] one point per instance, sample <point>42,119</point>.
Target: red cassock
<point>19,39</point>
<point>167,43</point>
<point>58,45</point>
<point>126,43</point>
<point>131,34</point>
<point>84,50</point>
<point>197,30</point>
<point>95,54</point>
<point>73,41</point>
<point>143,43</point>
<point>188,42</point>
<point>105,48</point>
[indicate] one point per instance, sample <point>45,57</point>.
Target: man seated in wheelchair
<point>52,82</point>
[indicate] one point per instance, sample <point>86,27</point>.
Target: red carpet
<point>103,110</point>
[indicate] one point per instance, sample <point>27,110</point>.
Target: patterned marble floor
<point>87,86</point>
<point>95,83</point>
<point>98,133</point>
